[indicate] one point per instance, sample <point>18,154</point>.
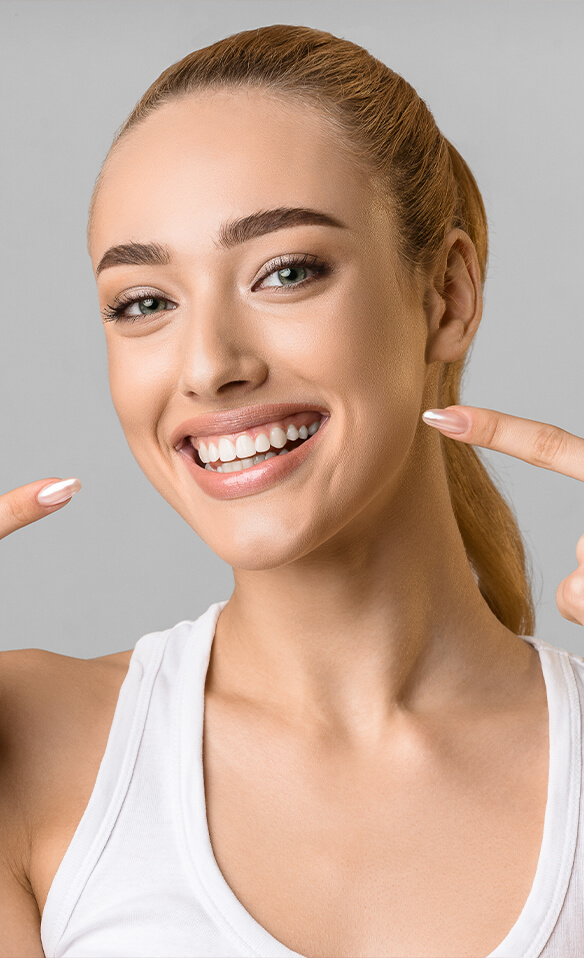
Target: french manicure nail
<point>448,421</point>
<point>58,492</point>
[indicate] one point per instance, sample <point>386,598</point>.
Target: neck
<point>386,618</point>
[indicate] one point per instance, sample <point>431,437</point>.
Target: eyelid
<point>277,262</point>
<point>285,260</point>
<point>122,301</point>
<point>139,292</point>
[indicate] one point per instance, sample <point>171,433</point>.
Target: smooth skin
<point>356,664</point>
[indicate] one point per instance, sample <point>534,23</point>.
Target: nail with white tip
<point>58,492</point>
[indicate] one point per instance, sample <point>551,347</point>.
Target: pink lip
<point>234,485</point>
<point>236,420</point>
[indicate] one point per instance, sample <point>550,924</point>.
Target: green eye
<point>288,276</point>
<point>133,309</point>
<point>149,305</point>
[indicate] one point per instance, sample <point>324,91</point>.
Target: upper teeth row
<point>245,446</point>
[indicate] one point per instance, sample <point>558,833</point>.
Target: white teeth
<point>240,455</point>
<point>226,450</point>
<point>277,437</point>
<point>262,443</point>
<point>245,447</point>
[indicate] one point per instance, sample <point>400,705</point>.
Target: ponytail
<point>486,521</point>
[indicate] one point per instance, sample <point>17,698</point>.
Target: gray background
<point>505,81</point>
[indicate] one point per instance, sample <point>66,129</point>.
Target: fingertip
<point>57,493</point>
<point>446,421</point>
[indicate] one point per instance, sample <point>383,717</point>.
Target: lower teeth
<point>239,465</point>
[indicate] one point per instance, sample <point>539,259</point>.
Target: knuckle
<point>549,445</point>
<point>573,591</point>
<point>16,512</point>
<point>580,550</point>
<point>566,605</point>
<point>489,430</point>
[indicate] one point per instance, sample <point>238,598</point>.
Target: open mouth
<point>239,452</point>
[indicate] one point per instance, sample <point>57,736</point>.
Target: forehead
<point>199,160</point>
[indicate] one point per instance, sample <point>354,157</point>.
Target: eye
<point>136,307</point>
<point>292,271</point>
<point>145,307</point>
<point>288,276</point>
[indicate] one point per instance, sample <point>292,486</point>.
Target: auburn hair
<point>394,137</point>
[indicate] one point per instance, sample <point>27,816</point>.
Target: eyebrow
<point>231,234</point>
<point>258,224</point>
<point>134,254</point>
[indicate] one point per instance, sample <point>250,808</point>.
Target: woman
<point>289,259</point>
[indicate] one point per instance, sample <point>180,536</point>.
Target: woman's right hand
<point>22,720</point>
<point>20,506</point>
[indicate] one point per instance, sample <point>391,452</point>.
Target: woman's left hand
<point>540,444</point>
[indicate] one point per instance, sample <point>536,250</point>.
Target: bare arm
<point>20,935</point>
<point>20,921</point>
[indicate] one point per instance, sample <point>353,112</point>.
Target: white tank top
<point>140,879</point>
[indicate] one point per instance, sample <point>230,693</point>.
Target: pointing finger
<point>539,443</point>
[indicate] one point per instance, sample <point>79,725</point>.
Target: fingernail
<point>58,492</point>
<point>452,422</point>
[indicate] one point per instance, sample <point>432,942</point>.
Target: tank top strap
<point>112,782</point>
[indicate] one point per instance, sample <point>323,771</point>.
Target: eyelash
<point>116,313</point>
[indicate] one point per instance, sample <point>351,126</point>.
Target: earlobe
<point>454,300</point>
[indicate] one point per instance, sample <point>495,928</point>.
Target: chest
<point>417,851</point>
<point>406,856</point>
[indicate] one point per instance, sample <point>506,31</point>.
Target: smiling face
<point>223,326</point>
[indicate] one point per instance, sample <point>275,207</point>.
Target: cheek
<point>138,384</point>
<point>374,361</point>
<point>371,346</point>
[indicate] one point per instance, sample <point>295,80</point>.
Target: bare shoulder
<point>55,715</point>
<point>40,689</point>
<point>48,704</point>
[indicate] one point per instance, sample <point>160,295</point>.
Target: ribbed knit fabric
<point>140,879</point>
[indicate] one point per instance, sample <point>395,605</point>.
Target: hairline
<point>374,183</point>
<point>277,90</point>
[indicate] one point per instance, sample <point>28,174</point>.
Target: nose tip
<point>221,352</point>
<point>239,376</point>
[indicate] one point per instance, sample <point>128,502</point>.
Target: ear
<point>453,301</point>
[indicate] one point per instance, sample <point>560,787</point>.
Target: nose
<point>221,351</point>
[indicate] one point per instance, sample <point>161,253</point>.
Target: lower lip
<point>264,475</point>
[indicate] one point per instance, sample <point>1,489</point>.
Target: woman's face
<point>214,332</point>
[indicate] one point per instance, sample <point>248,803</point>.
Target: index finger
<point>539,443</point>
<point>20,506</point>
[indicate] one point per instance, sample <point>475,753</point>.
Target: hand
<point>538,443</point>
<point>20,506</point>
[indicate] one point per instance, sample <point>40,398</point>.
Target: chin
<point>260,546</point>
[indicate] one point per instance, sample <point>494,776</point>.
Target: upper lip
<point>237,420</point>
